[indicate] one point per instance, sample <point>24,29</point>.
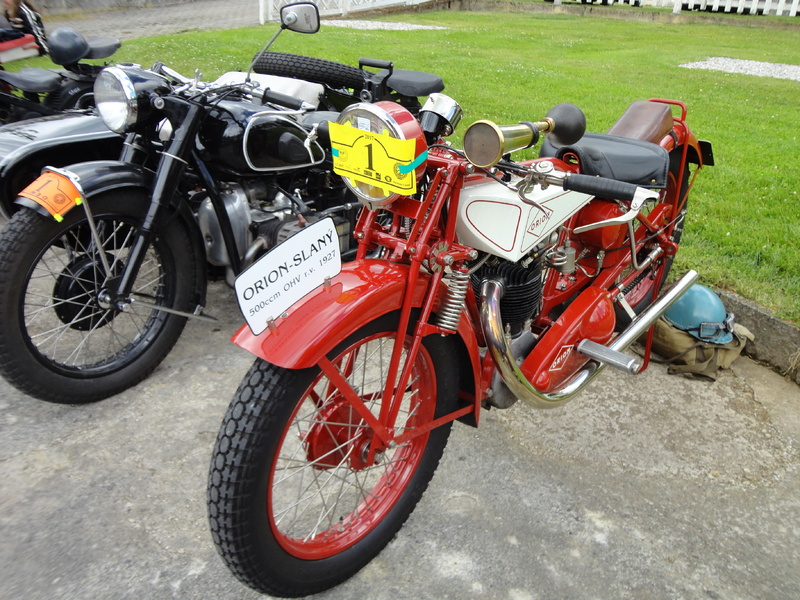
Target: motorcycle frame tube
<point>682,136</point>
<point>221,212</point>
<point>605,279</point>
<point>27,104</point>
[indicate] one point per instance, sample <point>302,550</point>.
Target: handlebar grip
<point>282,99</point>
<point>600,186</point>
<point>375,63</point>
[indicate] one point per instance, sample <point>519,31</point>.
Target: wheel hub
<point>77,291</point>
<point>338,435</point>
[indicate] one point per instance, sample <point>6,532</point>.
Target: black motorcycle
<point>26,147</point>
<point>34,92</point>
<point>104,261</point>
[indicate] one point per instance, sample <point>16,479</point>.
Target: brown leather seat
<point>646,121</point>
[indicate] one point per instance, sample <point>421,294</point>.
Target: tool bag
<point>689,356</point>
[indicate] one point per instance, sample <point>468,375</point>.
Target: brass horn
<point>485,143</point>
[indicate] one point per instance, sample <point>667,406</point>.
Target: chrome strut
<point>499,347</point>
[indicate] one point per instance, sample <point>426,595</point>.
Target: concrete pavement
<point>131,23</point>
<point>644,487</point>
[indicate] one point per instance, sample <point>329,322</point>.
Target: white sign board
<point>288,272</point>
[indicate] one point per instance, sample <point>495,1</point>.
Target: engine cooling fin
<point>523,290</point>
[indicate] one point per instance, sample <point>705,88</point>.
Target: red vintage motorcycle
<point>478,281</point>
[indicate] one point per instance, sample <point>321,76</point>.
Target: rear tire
<point>58,340</point>
<point>294,507</point>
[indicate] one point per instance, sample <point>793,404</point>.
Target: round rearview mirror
<point>302,17</point>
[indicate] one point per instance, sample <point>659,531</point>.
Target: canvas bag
<point>687,355</point>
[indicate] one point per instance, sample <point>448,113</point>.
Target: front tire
<point>295,506</point>
<point>58,340</point>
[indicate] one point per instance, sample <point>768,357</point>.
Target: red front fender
<point>362,292</point>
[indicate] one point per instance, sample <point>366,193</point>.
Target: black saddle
<point>414,83</point>
<point>102,47</point>
<point>31,79</point>
<point>623,159</point>
<point>628,152</point>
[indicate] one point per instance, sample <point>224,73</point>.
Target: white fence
<point>789,8</point>
<point>269,9</point>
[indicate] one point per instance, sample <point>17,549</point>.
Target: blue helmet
<point>700,313</point>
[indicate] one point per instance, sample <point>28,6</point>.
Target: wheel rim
<point>323,497</point>
<point>67,325</point>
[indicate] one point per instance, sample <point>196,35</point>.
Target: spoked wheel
<point>641,292</point>
<point>61,339</point>
<point>301,492</point>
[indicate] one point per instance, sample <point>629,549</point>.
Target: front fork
<point>417,247</point>
<point>170,169</point>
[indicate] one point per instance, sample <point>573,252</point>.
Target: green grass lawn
<point>744,223</point>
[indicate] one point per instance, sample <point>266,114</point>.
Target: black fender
<point>96,177</point>
<point>28,146</point>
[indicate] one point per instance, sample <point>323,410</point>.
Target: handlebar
<point>163,69</point>
<point>268,95</point>
<point>375,63</point>
<point>544,173</point>
<point>265,95</point>
<point>600,186</point>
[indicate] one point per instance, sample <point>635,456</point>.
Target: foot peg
<point>612,358</point>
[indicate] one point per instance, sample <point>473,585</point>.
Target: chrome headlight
<point>123,96</point>
<point>376,184</point>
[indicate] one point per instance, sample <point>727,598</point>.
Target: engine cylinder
<point>523,290</point>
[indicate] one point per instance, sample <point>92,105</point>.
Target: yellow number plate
<point>375,158</point>
<point>53,192</point>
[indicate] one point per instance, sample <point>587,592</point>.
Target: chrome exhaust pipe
<point>492,292</point>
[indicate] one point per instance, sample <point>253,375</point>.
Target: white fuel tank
<point>493,219</point>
